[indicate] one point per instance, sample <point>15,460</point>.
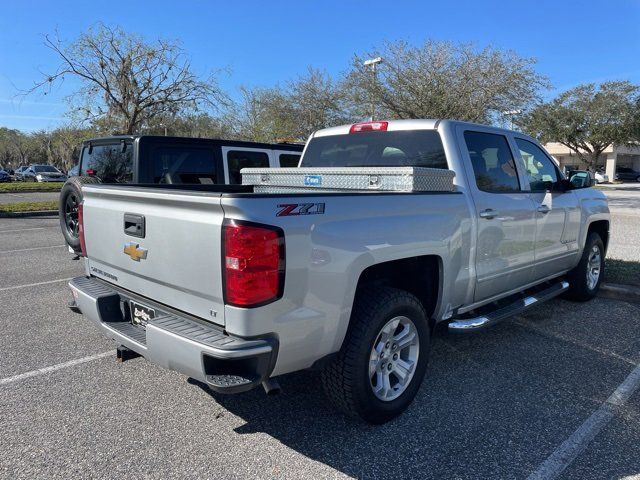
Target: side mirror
<point>580,179</point>
<point>564,185</point>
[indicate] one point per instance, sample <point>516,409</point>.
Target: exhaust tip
<point>271,387</point>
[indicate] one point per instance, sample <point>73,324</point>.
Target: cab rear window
<point>410,148</point>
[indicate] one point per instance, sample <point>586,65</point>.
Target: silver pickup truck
<point>233,285</point>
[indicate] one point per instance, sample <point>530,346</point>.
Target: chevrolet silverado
<point>234,286</point>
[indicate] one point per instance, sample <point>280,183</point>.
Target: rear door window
<point>493,164</point>
<point>184,164</point>
<point>108,163</point>
<point>289,160</point>
<point>239,159</point>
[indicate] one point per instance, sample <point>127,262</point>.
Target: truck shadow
<point>493,404</point>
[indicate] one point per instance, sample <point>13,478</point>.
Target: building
<point>614,156</point>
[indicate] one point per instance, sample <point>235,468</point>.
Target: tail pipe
<point>271,387</point>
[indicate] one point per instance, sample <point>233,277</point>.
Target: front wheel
<point>586,277</point>
<point>384,356</point>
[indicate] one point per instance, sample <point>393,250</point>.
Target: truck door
<point>237,158</point>
<point>505,214</point>
<point>557,212</point>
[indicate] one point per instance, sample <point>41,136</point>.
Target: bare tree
<point>126,82</point>
<point>444,80</point>
<point>292,112</point>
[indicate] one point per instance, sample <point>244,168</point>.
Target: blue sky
<point>263,43</point>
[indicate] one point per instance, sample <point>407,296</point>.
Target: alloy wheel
<point>394,358</point>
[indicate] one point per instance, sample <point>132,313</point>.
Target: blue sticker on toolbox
<point>313,180</point>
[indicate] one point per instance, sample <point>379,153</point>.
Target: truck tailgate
<point>175,261</point>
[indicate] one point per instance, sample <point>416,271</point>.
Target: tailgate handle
<point>134,225</point>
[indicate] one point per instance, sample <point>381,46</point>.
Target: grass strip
<point>622,271</point>
<point>28,207</point>
<point>12,187</point>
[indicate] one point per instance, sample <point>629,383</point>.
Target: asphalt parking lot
<point>16,197</point>
<point>522,398</point>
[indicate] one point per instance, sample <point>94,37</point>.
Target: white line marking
<point>4,289</point>
<point>22,229</point>
<point>569,450</point>
<point>53,368</point>
<point>31,249</point>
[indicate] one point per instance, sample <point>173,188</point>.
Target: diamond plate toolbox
<point>388,179</point>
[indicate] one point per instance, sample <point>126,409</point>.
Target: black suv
<point>157,159</point>
<point>627,174</point>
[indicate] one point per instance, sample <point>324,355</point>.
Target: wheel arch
<point>601,227</point>
<point>420,275</point>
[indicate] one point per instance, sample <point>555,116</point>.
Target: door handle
<point>134,225</point>
<point>543,209</point>
<point>489,213</point>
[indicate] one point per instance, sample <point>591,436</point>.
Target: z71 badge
<point>292,209</point>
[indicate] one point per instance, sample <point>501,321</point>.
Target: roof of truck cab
<point>193,140</point>
<point>409,124</point>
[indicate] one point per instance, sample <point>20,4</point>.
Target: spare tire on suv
<point>70,199</point>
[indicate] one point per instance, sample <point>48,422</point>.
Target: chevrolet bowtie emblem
<point>135,252</point>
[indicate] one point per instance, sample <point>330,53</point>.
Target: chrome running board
<point>477,323</point>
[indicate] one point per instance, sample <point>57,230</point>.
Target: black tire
<point>347,380</point>
<point>579,288</point>
<point>70,198</point>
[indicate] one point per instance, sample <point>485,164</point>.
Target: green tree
<point>444,80</point>
<point>588,118</point>
<point>126,82</point>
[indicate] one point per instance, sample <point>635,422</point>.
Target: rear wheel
<point>70,199</point>
<point>384,356</point>
<point>586,277</point>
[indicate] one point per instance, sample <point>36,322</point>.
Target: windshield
<point>405,148</point>
<point>45,169</point>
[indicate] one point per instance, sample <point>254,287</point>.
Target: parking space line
<point>53,368</point>
<point>4,289</point>
<point>31,249</point>
<point>569,450</point>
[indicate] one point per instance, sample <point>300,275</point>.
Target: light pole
<point>511,114</point>
<point>373,63</point>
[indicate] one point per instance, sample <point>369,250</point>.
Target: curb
<point>43,213</point>
<point>627,293</point>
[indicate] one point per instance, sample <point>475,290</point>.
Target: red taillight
<point>90,171</point>
<point>83,245</point>
<point>369,127</point>
<point>253,264</point>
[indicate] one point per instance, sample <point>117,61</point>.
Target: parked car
<point>600,177</point>
<point>19,172</point>
<point>4,176</point>
<point>345,270</point>
<point>627,174</point>
<point>165,160</point>
<point>43,173</point>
